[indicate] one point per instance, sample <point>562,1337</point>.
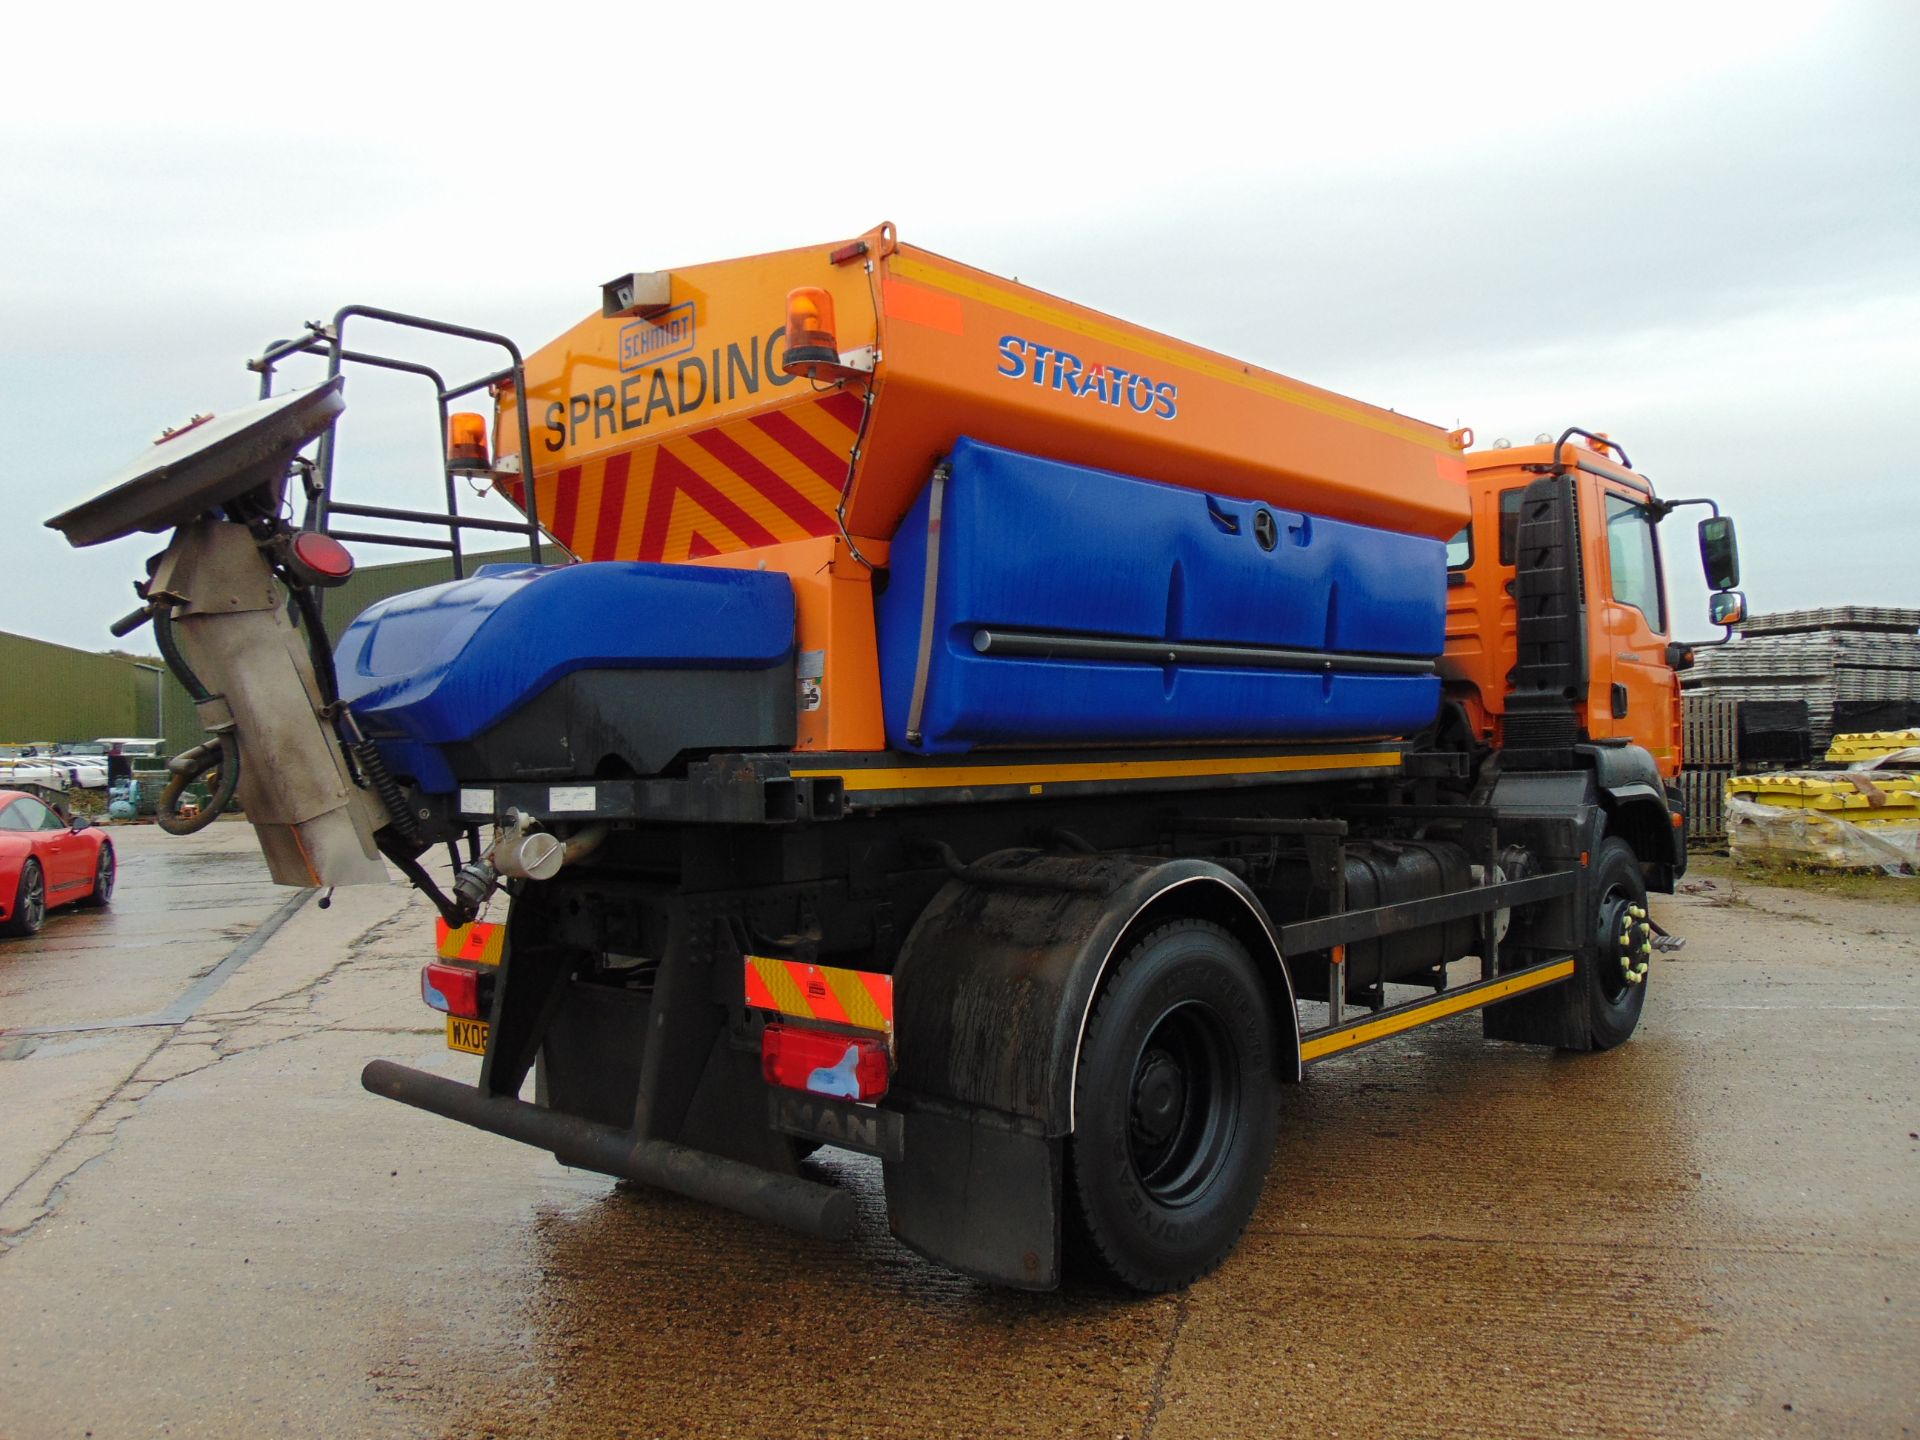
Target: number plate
<point>467,1035</point>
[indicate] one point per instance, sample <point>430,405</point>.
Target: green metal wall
<point>53,692</point>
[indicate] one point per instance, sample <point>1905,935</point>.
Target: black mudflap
<point>979,1197</point>
<point>1555,814</point>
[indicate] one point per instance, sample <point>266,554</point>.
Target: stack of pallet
<point>1710,742</point>
<point>1822,657</point>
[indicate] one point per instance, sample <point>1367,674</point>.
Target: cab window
<point>1509,524</point>
<point>1460,549</point>
<point>1634,559</point>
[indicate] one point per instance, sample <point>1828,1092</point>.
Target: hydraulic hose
<point>176,662</point>
<point>408,864</point>
<point>317,647</point>
<point>218,757</point>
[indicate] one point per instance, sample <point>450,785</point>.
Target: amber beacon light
<point>810,339</point>
<point>467,442</point>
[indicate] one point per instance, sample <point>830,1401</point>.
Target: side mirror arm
<point>1660,509</point>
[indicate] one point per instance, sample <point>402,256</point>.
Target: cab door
<point>1639,699</point>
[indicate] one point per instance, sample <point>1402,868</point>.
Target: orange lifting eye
<point>810,339</point>
<point>467,442</point>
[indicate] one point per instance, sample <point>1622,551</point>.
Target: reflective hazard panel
<point>480,941</point>
<point>860,998</point>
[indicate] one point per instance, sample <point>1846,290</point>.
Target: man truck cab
<point>1632,687</point>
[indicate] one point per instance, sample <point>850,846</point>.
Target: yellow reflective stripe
<point>1199,362</point>
<point>853,998</point>
<point>1437,1010</point>
<point>787,986</point>
<point>938,777</point>
<point>781,985</point>
<point>479,941</point>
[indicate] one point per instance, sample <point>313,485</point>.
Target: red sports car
<point>44,862</point>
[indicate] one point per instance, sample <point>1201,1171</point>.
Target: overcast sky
<point>1694,227</point>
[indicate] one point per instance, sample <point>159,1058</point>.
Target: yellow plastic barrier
<point>1871,745</point>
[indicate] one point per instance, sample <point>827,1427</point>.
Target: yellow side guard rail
<point>1402,1018</point>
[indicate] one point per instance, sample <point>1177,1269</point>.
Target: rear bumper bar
<point>787,1200</point>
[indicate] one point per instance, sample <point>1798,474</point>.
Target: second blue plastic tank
<point>1076,606</point>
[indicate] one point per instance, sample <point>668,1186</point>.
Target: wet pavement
<point>210,1229</point>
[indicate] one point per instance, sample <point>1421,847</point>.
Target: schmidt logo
<point>648,342</point>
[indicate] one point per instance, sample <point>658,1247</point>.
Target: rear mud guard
<point>992,992</point>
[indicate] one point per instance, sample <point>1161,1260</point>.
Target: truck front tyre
<point>1175,1119</point>
<point>1615,979</point>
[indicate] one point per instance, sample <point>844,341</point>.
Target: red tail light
<point>820,1063</point>
<point>318,559</point>
<point>462,990</point>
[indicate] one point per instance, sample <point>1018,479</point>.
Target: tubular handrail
<point>330,340</point>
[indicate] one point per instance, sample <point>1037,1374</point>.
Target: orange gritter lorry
<point>972,731</point>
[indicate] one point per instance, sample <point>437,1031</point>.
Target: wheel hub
<point>1629,934</point>
<point>1183,1105</point>
<point>1159,1098</point>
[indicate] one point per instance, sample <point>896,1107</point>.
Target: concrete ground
<point>210,1229</point>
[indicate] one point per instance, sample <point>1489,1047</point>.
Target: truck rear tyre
<point>1174,1100</point>
<point>1616,980</point>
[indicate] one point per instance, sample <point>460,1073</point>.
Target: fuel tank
<point>1380,872</point>
<point>672,430</point>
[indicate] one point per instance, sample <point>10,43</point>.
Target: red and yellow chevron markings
<point>860,998</point>
<point>480,941</point>
<point>761,480</point>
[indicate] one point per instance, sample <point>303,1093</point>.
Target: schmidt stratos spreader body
<point>975,732</point>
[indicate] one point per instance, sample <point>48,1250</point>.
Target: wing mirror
<point>1719,555</point>
<point>1727,607</point>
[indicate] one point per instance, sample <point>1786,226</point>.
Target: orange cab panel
<point>1632,692</point>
